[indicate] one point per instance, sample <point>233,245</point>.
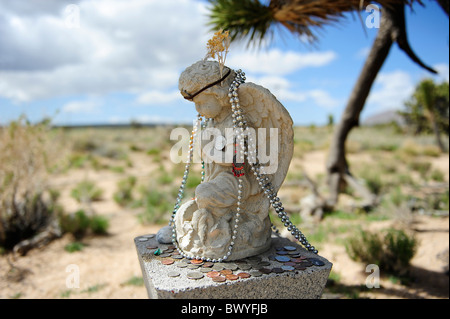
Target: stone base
<point>302,282</point>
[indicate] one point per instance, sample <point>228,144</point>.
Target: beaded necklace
<point>240,129</point>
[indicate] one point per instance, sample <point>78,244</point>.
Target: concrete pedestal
<point>298,278</point>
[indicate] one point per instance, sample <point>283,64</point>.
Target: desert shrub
<point>124,194</point>
<point>157,206</point>
<point>392,250</point>
<point>26,205</point>
<point>86,191</point>
<point>79,224</point>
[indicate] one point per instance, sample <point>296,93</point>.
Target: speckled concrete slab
<point>285,271</point>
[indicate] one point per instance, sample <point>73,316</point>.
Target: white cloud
<point>443,71</point>
<point>120,46</point>
<point>391,90</point>
<point>87,106</point>
<point>157,97</point>
<point>277,62</point>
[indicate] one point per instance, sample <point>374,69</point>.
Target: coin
<point>244,266</point>
<point>177,256</point>
<point>219,279</point>
<point>263,263</point>
<point>205,270</point>
<point>195,275</point>
<point>287,268</point>
<point>282,258</point>
<point>171,247</point>
<point>217,267</point>
<point>142,239</point>
<point>231,266</point>
<point>226,272</point>
<point>295,255</point>
<point>243,275</point>
<point>281,252</point>
<point>208,264</point>
<point>152,247</point>
<point>167,261</point>
<point>254,258</point>
<point>197,261</point>
<point>255,273</point>
<point>173,274</point>
<point>279,248</point>
<point>306,263</point>
<point>232,277</point>
<point>265,270</point>
<point>213,274</point>
<point>277,270</point>
<point>316,262</point>
<point>191,266</point>
<point>181,265</point>
<point>290,248</point>
<point>165,255</point>
<point>290,263</point>
<point>299,267</point>
<point>221,265</point>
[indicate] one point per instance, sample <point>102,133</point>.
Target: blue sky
<point>113,61</point>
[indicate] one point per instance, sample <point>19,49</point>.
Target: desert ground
<point>403,167</point>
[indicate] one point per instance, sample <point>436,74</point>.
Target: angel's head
<point>202,84</point>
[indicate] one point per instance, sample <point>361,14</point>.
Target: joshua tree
<point>254,20</point>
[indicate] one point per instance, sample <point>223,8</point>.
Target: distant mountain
<point>384,117</point>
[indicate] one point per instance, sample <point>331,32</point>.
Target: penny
<point>208,264</point>
<point>213,274</point>
<point>219,279</point>
<point>167,261</point>
<point>243,275</point>
<point>171,247</point>
<point>265,270</point>
<point>277,270</point>
<point>173,274</point>
<point>226,272</point>
<point>255,273</point>
<point>232,277</point>
<point>290,263</point>
<point>282,258</point>
<point>195,275</point>
<point>152,247</point>
<point>287,268</point>
<point>290,248</point>
<point>197,261</point>
<point>316,262</point>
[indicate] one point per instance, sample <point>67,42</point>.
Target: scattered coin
<point>219,279</point>
<point>299,267</point>
<point>243,275</point>
<point>213,274</point>
<point>281,252</point>
<point>171,247</point>
<point>290,248</point>
<point>306,263</point>
<point>142,239</point>
<point>173,274</point>
<point>208,264</point>
<point>287,268</point>
<point>165,255</point>
<point>263,263</point>
<point>316,262</point>
<point>191,266</point>
<point>231,266</point>
<point>152,247</point>
<point>255,273</point>
<point>277,270</point>
<point>290,263</point>
<point>181,265</point>
<point>205,270</point>
<point>244,266</point>
<point>295,255</point>
<point>195,275</point>
<point>217,267</point>
<point>265,270</point>
<point>167,261</point>
<point>279,248</point>
<point>282,258</point>
<point>232,277</point>
<point>254,258</point>
<point>197,261</point>
<point>177,256</point>
<point>221,265</point>
<point>226,272</point>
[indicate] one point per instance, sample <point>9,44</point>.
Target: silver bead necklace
<point>240,127</point>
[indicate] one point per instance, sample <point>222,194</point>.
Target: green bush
<point>79,224</point>
<point>392,250</point>
<point>99,225</point>
<point>124,194</point>
<point>86,191</point>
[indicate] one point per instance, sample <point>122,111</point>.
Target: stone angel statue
<point>229,217</point>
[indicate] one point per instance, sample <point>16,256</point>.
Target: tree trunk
<point>337,166</point>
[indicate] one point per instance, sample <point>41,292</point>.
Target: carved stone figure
<point>228,218</point>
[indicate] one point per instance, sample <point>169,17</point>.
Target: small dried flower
<point>218,46</point>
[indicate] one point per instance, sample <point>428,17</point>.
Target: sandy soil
<point>108,263</point>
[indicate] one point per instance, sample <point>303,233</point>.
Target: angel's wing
<point>263,110</point>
